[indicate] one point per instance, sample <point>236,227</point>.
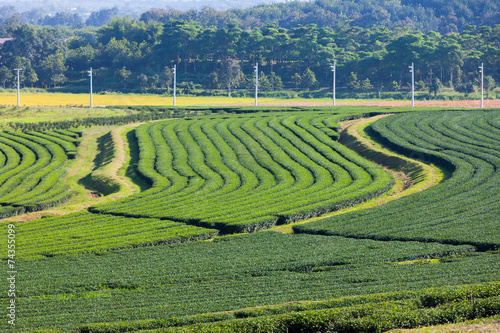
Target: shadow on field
<point>131,171</point>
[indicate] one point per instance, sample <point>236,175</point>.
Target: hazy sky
<point>128,6</point>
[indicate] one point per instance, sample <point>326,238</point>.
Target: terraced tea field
<point>248,173</point>
<point>427,258</point>
<point>31,167</point>
<point>462,210</point>
<point>135,287</point>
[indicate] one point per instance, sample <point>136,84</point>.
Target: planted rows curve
<point>85,232</point>
<point>31,167</point>
<point>463,209</point>
<point>245,173</point>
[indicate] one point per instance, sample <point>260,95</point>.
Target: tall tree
<point>275,81</point>
<point>450,57</point>
<point>402,52</point>
<point>264,84</point>
<point>101,17</point>
<point>50,67</point>
<point>122,75</point>
<point>229,74</point>
<point>177,41</point>
<point>489,84</point>
<point>165,77</point>
<point>5,75</point>
<point>308,80</point>
<point>435,86</point>
<point>31,77</point>
<point>352,81</point>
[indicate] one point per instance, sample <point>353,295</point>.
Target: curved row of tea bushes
<point>32,166</point>
<point>7,211</point>
<point>367,318</point>
<point>87,232</point>
<point>461,210</point>
<point>241,174</point>
<point>68,143</point>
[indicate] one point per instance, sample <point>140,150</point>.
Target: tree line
<point>132,55</point>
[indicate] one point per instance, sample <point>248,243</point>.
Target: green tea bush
<point>461,210</point>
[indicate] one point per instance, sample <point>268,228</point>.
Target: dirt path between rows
<point>83,165</point>
<point>403,186</point>
<point>121,158</point>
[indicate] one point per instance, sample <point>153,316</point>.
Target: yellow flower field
<point>66,99</point>
<point>63,99</point>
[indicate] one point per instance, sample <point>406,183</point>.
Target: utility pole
<point>174,71</point>
<point>481,70</point>
<point>333,70</point>
<point>412,71</point>
<point>18,69</point>
<point>256,67</point>
<point>91,101</point>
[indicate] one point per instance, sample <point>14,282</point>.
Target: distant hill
<point>126,7</point>
<point>422,15</point>
<point>419,15</point>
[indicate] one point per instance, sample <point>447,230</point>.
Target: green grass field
<point>39,114</point>
<point>160,253</point>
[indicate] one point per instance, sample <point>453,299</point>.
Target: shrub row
<point>90,121</point>
<point>460,210</point>
<point>34,166</point>
<point>371,313</point>
<point>242,174</point>
<point>87,232</point>
<point>376,318</point>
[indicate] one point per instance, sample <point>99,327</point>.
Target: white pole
<point>91,100</point>
<point>256,67</point>
<point>18,69</point>
<point>174,70</point>
<point>334,72</point>
<point>412,71</point>
<point>481,70</point>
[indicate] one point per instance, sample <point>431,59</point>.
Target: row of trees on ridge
<point>133,55</point>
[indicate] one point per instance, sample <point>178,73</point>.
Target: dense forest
<point>137,55</point>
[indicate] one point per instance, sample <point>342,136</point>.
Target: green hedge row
<point>90,121</point>
<point>371,313</point>
<point>461,210</point>
<point>86,232</point>
<point>241,174</point>
<point>33,168</point>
